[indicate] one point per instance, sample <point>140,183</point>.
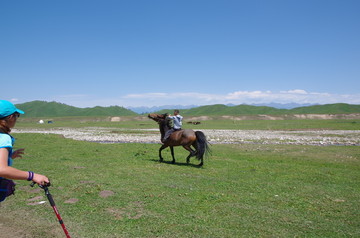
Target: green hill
<point>55,109</point>
<point>219,110</point>
<point>338,108</point>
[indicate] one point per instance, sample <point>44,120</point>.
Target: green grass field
<point>242,191</point>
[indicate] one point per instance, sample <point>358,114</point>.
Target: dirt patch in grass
<point>134,210</point>
<point>86,182</point>
<point>35,198</point>
<point>71,200</point>
<point>10,231</point>
<point>106,193</point>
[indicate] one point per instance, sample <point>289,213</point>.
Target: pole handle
<point>41,186</point>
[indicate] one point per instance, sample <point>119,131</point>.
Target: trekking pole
<point>52,203</point>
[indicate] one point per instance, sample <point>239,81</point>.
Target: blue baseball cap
<point>7,108</point>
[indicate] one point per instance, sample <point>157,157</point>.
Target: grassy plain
<point>242,191</point>
<point>144,123</point>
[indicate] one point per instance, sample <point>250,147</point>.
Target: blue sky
<point>180,52</point>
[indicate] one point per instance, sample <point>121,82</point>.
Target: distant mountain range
<point>142,110</point>
<point>55,109</point>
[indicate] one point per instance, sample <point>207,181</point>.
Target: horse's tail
<point>202,145</point>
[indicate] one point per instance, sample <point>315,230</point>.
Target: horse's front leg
<point>172,154</point>
<point>161,148</point>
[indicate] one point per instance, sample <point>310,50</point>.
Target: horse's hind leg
<point>192,153</point>
<point>196,146</point>
<point>202,161</point>
<point>189,156</point>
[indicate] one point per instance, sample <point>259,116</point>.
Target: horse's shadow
<point>177,163</point>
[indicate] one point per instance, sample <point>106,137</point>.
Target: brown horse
<point>185,138</point>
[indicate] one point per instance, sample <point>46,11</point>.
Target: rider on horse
<point>176,124</point>
<point>193,141</point>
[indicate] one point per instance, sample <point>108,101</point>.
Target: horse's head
<point>157,117</point>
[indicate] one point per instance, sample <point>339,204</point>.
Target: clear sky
<point>87,53</point>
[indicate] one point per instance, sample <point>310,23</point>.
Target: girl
<point>8,116</point>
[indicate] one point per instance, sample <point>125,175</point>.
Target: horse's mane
<point>163,122</point>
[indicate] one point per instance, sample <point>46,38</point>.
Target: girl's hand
<point>41,179</point>
<point>18,153</point>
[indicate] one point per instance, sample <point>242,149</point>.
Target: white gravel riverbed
<point>116,135</point>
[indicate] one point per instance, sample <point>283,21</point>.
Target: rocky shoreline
<point>116,135</point>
